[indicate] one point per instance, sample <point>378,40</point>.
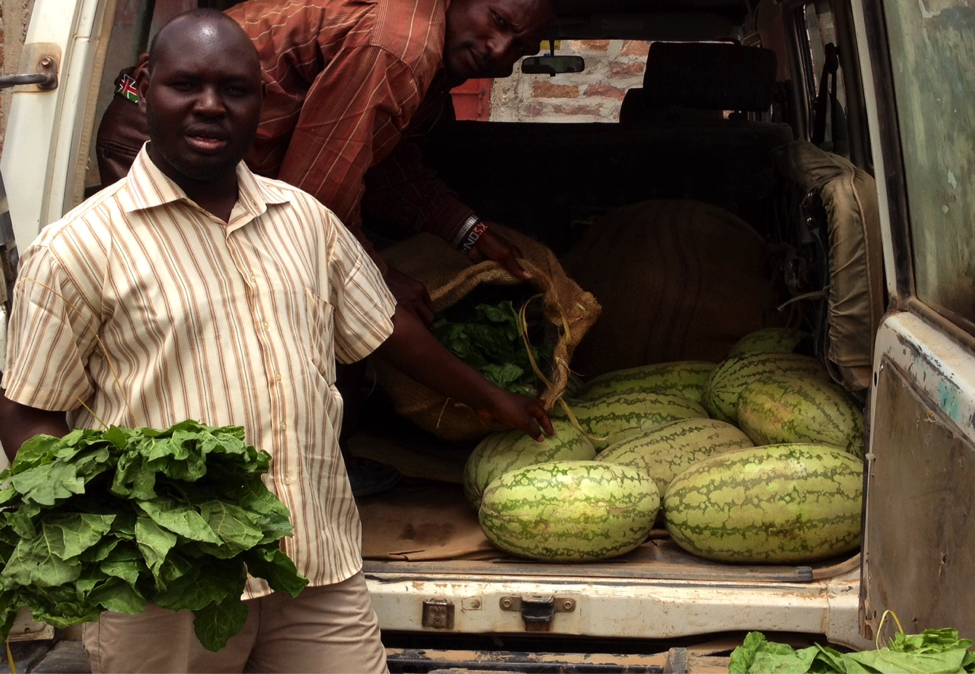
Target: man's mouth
<point>206,140</point>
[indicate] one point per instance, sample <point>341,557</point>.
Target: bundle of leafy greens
<point>490,341</point>
<point>930,652</point>
<point>114,519</point>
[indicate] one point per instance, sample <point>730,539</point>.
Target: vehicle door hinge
<point>438,614</point>
<point>538,611</point>
<point>39,68</point>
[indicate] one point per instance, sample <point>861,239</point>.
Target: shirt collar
<point>148,187</point>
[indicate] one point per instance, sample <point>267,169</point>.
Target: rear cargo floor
<point>425,524</point>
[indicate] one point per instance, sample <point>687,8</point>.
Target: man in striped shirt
<point>194,289</point>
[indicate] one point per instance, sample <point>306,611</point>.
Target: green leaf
<point>154,543</point>
<point>180,519</point>
<point>35,562</point>
<point>70,534</point>
<point>217,622</point>
<point>116,594</point>
<point>49,483</point>
<point>236,528</point>
<point>271,564</point>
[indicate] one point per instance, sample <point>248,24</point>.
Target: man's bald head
<point>205,20</point>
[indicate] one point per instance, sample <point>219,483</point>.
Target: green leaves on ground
<point>490,342</point>
<point>112,520</point>
<point>931,652</point>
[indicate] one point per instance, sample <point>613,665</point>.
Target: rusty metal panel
<point>920,530</point>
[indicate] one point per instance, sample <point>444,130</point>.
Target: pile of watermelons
<point>757,459</point>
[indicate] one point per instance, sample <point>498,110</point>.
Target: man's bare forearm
<point>19,423</point>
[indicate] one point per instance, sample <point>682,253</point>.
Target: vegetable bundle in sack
<point>450,278</point>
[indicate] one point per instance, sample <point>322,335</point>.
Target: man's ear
<point>142,79</point>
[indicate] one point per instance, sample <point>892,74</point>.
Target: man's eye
<point>500,21</point>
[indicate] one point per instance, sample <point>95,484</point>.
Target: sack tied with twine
<point>449,276</point>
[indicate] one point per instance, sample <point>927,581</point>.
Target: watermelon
<point>735,373</point>
<point>501,452</point>
<point>784,409</point>
<point>783,340</point>
<point>604,418</point>
<point>684,378</point>
<point>570,511</point>
<point>669,449</point>
<point>786,503</point>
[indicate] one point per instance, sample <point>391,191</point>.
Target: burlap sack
<point>449,276</point>
<point>677,280</point>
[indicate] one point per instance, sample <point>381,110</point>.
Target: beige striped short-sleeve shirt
<point>150,310</point>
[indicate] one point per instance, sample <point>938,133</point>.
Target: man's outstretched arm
<point>414,350</point>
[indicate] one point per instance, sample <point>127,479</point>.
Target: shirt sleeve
<point>362,304</point>
<point>353,115</point>
<point>52,331</point>
<point>404,192</point>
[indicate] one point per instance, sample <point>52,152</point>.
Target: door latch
<point>438,614</point>
<point>41,59</point>
<point>538,611</point>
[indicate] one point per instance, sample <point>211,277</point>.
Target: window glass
<point>933,48</point>
<point>594,95</point>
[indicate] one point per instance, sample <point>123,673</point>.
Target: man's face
<point>203,100</point>
<point>484,38</point>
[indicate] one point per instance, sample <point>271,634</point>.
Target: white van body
<point>919,526</point>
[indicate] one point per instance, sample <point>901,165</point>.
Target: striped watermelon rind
<point>569,511</point>
<point>604,418</point>
<point>786,503</point>
<point>667,450</point>
<point>504,451</point>
<point>789,409</point>
<point>684,378</point>
<point>733,374</point>
<point>783,340</point>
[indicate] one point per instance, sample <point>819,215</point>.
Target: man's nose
<point>500,46</point>
<point>210,102</point>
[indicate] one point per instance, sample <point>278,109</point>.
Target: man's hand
<point>410,294</point>
<point>516,411</point>
<point>492,246</point>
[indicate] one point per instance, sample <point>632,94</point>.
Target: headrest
<point>709,75</point>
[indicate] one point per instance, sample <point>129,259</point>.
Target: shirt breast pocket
<point>322,335</point>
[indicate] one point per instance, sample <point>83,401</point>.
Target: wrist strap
<point>470,232</point>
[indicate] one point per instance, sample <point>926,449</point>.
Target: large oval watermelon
<point>570,511</point>
<point>781,409</point>
<point>669,449</point>
<point>774,504</point>
<point>604,418</point>
<point>501,452</point>
<point>735,373</point>
<point>684,378</point>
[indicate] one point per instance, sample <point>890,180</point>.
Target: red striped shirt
<point>344,79</point>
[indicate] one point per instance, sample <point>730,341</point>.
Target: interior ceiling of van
<point>690,20</point>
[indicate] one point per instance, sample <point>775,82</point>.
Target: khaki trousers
<point>332,628</point>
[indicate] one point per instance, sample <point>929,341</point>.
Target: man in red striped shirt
<point>346,83</point>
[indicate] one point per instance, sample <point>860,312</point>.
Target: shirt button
<point>254,279</point>
<point>277,375</point>
<point>266,325</point>
<point>287,480</point>
<point>284,427</point>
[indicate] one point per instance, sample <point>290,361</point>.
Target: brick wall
<point>612,67</point>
